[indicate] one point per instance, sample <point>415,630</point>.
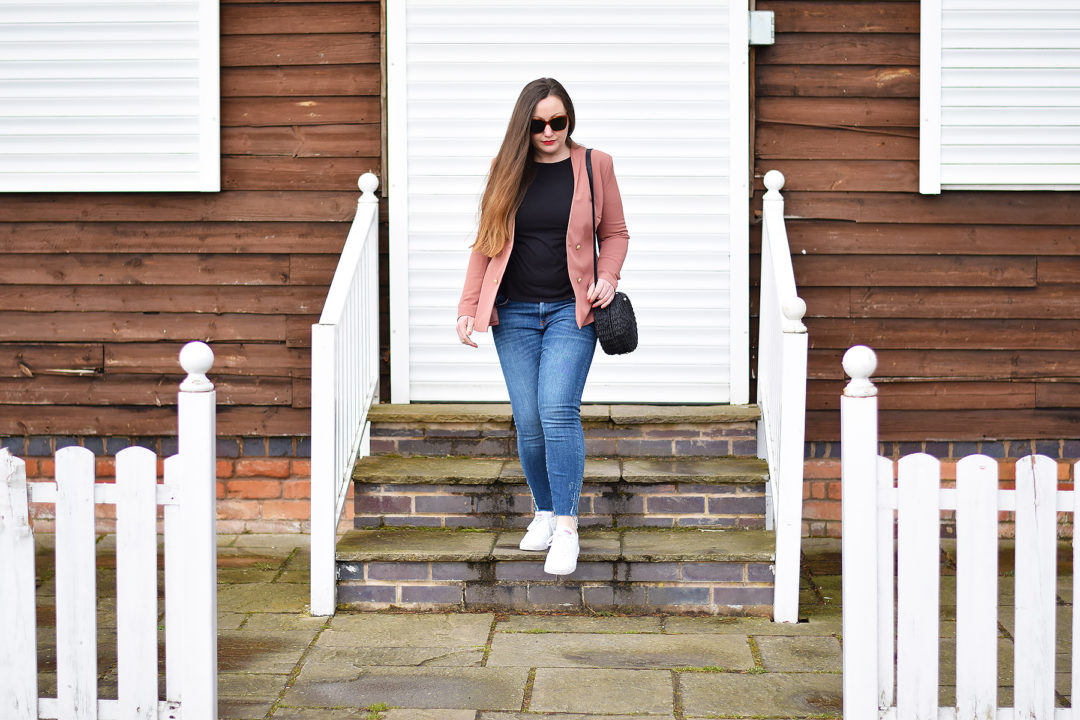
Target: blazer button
<point>578,246</point>
<point>579,279</point>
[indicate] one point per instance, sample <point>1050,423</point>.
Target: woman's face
<point>550,145</point>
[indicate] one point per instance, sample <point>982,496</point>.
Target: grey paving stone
<point>273,543</point>
<point>233,709</point>
<point>257,622</point>
<point>288,713</point>
<point>576,690</point>
<point>452,630</point>
<point>245,686</point>
<point>571,716</point>
<point>719,695</point>
<point>345,663</point>
<point>751,626</point>
<point>800,654</point>
<point>415,545</point>
<point>263,597</point>
<point>596,546</point>
<point>436,687</point>
<point>230,620</point>
<point>391,469</point>
<point>439,714</point>
<point>262,651</point>
<point>597,470</point>
<point>578,624</point>
<point>700,545</point>
<point>428,413</point>
<point>619,650</point>
<point>704,470</point>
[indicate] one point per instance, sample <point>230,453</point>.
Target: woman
<point>530,277</point>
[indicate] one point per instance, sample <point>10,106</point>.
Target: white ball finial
<point>794,309</point>
<point>860,363</point>
<point>368,184</point>
<point>774,180</point>
<point>196,358</point>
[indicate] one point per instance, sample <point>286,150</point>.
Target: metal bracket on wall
<point>762,27</point>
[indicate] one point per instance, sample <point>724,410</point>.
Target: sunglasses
<point>557,123</point>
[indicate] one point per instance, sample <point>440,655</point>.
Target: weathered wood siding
<point>972,299</point>
<point>99,291</point>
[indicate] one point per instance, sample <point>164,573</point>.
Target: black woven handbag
<point>615,325</point>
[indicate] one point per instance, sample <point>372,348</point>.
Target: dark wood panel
<point>847,238</point>
<point>975,208</point>
<point>155,390</point>
<point>32,360</point>
<point>174,237</point>
<point>968,395</point>
<point>846,17</point>
<point>843,175</point>
<point>300,18</point>
<point>312,269</point>
<point>304,141</point>
<point>1051,301</point>
<point>262,359</point>
<point>301,80</point>
<point>987,365</point>
<point>850,81</point>
<point>139,327</point>
<point>281,173</point>
<point>298,329</point>
<point>235,206</point>
<point>820,301</point>
<point>1059,270</point>
<point>839,49</point>
<point>792,142</point>
<point>839,111</point>
<point>911,270</point>
<point>938,334</point>
<point>325,49</point>
<point>140,298</point>
<point>301,392</point>
<point>915,425</point>
<point>145,269</point>
<point>269,112</point>
<point>146,421</point>
<point>1057,395</point>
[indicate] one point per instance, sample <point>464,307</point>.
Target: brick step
<point>697,570</point>
<point>617,492</point>
<point>486,429</point>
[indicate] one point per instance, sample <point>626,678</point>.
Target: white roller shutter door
<point>109,96</point>
<point>651,84</point>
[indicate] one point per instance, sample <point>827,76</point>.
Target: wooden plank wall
<point>100,291</point>
<point>972,299</point>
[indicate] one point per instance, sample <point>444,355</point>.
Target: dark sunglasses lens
<point>558,123</point>
<point>536,126</point>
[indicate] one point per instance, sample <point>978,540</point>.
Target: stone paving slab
<point>654,414</point>
<point>800,654</point>
<point>287,713</point>
<point>570,716</point>
<point>596,545</point>
<point>439,714</point>
<point>576,690</point>
<point>685,625</point>
<point>719,695</point>
<point>603,470</point>
<point>620,651</point>
<point>328,663</point>
<point>232,709</point>
<point>702,545</point>
<point>456,630</point>
<point>435,545</point>
<point>391,469</point>
<point>263,597</point>
<point>577,624</point>
<point>440,412</point>
<point>262,652</point>
<point>247,686</point>
<point>703,470</point>
<point>437,687</point>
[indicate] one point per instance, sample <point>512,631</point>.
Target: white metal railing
<point>892,648</point>
<point>781,395</point>
<point>187,497</point>
<point>344,384</point>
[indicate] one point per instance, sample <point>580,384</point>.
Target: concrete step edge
<point>433,413</point>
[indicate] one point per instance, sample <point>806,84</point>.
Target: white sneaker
<point>562,556</point>
<point>538,536</point>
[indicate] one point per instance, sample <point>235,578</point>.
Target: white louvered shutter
<point>650,84</point>
<point>1000,95</point>
<point>109,96</point>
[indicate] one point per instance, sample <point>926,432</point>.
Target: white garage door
<point>660,86</point>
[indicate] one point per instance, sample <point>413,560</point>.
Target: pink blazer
<point>484,274</point>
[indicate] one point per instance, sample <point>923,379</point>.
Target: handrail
<point>344,384</point>
<point>781,395</point>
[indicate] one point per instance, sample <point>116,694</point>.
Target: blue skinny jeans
<point>545,359</point>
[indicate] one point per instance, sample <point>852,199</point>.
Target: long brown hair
<point>514,166</point>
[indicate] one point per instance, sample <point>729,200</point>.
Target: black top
<point>536,271</point>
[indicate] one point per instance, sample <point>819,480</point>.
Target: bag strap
<point>592,202</point>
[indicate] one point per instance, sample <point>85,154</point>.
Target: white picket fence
<point>344,384</point>
<point>190,546</point>
<point>892,671</point>
<point>781,395</point>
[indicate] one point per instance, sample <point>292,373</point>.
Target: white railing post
<point>18,642</point>
<point>344,383</point>
<point>197,431</point>
<point>859,480</point>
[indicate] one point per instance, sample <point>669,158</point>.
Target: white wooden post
<point>859,467</point>
<point>198,452</point>
<point>174,583</point>
<point>885,584</point>
<point>18,643</point>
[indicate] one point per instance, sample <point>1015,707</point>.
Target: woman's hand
<point>601,293</point>
<point>464,330</point>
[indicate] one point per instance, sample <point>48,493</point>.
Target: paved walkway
<point>277,662</point>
